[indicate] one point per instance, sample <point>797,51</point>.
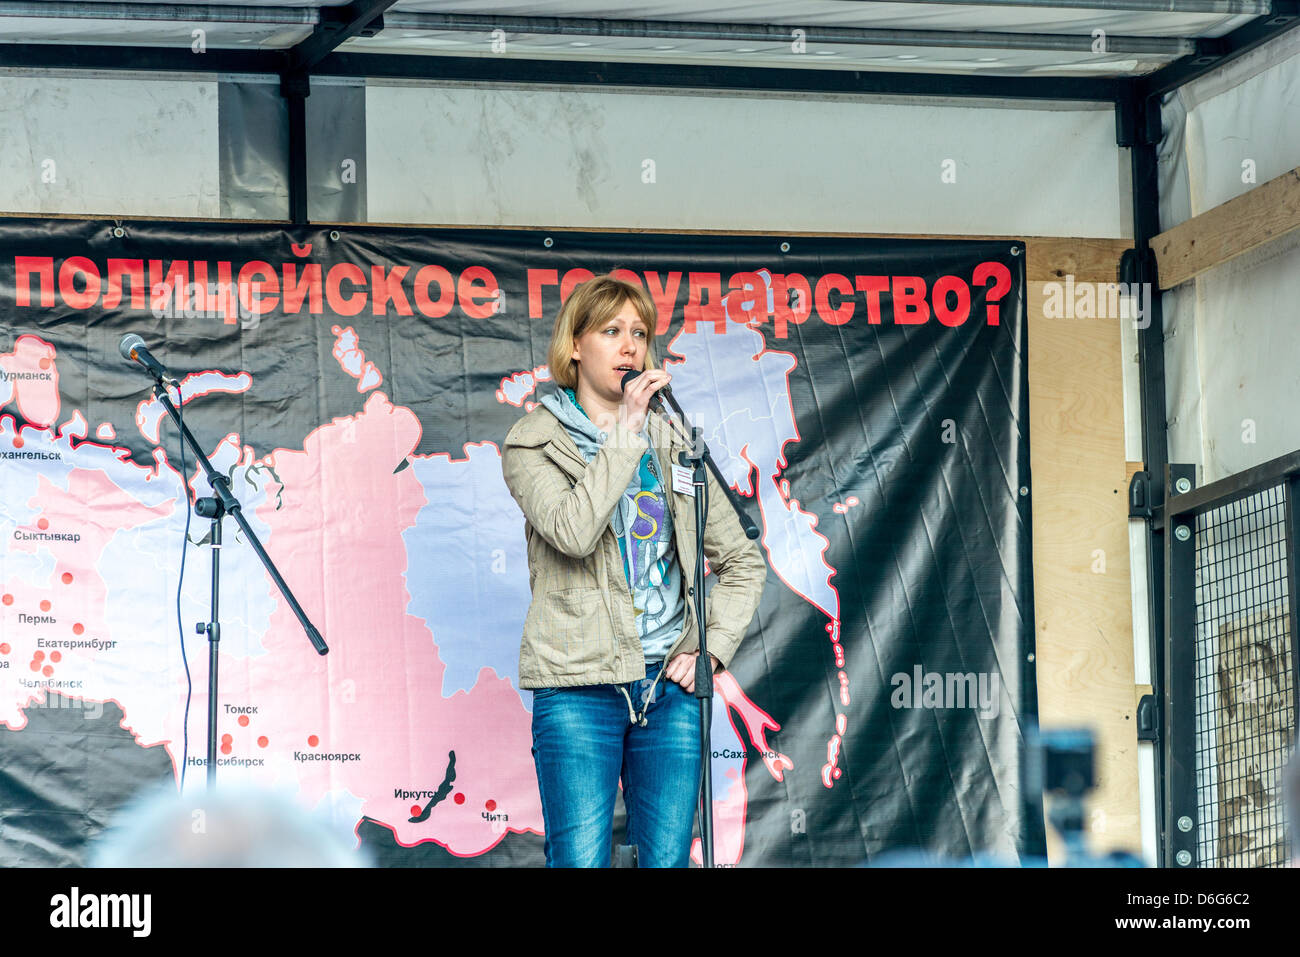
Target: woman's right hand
<point>636,399</point>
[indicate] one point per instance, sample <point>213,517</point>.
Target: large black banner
<point>867,397</point>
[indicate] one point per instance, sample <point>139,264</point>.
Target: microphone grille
<point>130,342</point>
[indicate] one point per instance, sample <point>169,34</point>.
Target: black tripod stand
<point>223,502</point>
<point>697,459</point>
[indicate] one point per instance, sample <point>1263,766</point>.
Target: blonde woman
<point>610,639</point>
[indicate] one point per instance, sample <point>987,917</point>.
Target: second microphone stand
<point>223,502</point>
<point>697,459</point>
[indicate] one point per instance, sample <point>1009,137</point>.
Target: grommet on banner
<point>548,242</point>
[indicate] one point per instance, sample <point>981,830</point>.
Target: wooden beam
<point>1087,260</point>
<point>1083,614</point>
<point>1229,230</point>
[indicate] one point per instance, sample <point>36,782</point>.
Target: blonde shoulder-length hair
<point>592,304</point>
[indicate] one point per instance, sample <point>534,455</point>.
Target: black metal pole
<point>295,88</point>
<point>698,459</point>
<point>1181,810</point>
<point>1139,128</point>
<point>703,666</point>
<point>1292,545</point>
<point>213,629</point>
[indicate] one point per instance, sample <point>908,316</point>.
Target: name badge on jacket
<point>682,481</point>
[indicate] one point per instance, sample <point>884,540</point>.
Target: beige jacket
<point>581,627</point>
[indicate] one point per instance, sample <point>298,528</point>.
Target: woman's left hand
<point>682,670</point>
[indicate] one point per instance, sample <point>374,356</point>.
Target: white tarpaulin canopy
<point>1111,38</point>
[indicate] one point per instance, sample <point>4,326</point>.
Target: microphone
<point>657,397</point>
<point>133,349</point>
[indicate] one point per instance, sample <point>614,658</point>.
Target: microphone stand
<point>223,502</point>
<point>697,458</point>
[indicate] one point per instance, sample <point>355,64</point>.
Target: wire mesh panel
<point>1245,694</point>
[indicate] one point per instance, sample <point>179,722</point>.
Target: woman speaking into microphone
<point>610,639</point>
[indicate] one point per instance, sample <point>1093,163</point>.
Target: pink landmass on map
<point>337,537</point>
<point>730,809</point>
<point>34,379</point>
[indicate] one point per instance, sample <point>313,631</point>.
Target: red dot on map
<point>43,524</point>
<point>225,749</point>
<point>415,810</point>
<point>45,606</point>
<point>39,656</point>
<point>18,442</point>
<point>262,741</point>
<point>8,599</point>
<point>47,671</point>
<point>459,798</point>
<point>67,578</point>
<point>56,656</point>
<point>4,648</point>
<point>243,721</point>
<point>78,629</point>
<point>44,364</point>
<point>312,740</point>
<point>490,804</point>
<point>226,739</point>
<point>36,666</point>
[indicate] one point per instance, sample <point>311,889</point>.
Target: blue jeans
<point>584,740</point>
